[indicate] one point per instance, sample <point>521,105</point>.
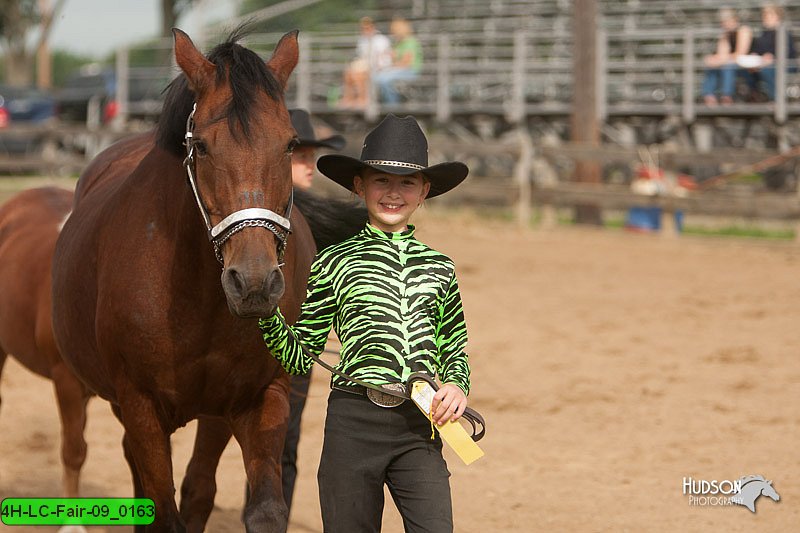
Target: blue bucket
<point>649,219</point>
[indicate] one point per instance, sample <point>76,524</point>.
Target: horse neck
<point>752,489</point>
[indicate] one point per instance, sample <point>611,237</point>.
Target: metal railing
<point>526,73</point>
<point>515,75</point>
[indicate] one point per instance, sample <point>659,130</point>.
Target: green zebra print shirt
<point>394,304</point>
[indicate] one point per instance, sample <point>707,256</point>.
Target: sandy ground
<point>609,367</point>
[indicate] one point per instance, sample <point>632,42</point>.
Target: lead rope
<point>470,415</point>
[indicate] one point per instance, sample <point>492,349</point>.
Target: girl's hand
<point>449,403</point>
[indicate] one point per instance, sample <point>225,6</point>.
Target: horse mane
<point>331,221</point>
<point>747,479</point>
<point>245,72</point>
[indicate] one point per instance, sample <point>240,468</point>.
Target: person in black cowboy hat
<point>305,153</point>
<point>396,146</point>
<point>397,311</point>
<point>303,160</point>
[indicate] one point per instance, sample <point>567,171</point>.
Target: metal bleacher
<point>512,59</point>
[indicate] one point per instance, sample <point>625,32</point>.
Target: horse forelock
<point>246,76</point>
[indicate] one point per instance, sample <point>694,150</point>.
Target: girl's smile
<point>391,198</point>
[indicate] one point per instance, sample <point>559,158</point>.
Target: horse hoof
<point>72,529</point>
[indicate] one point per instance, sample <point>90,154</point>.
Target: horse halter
<point>280,226</point>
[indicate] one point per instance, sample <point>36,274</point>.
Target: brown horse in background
<point>139,311</point>
<point>29,226</point>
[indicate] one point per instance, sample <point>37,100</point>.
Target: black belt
<point>393,394</point>
<point>392,398</point>
<point>378,397</point>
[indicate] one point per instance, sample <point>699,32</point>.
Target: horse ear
<point>284,58</point>
<point>199,70</point>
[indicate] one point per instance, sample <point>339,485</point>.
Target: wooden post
<point>522,175</point>
<point>304,73</point>
<point>688,77</point>
<point>516,113</point>
<point>123,82</point>
<point>443,79</point>
<point>602,75</point>
<point>669,226</point>
<point>584,124</point>
<point>780,73</point>
<point>797,221</point>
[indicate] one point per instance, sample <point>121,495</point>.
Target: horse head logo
<point>751,488</point>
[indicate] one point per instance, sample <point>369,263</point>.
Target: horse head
<point>239,140</point>
<point>768,490</point>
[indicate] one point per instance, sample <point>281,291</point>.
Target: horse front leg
<point>72,398</point>
<point>260,433</point>
<point>3,357</point>
<point>126,449</point>
<point>199,484</point>
<point>147,442</point>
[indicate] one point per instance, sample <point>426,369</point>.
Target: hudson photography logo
<point>743,491</point>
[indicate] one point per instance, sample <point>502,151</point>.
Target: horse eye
<point>201,148</point>
<point>292,145</point>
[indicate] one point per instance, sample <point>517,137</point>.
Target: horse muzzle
<point>252,295</point>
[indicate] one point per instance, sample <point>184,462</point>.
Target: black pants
<point>367,446</point>
<point>297,402</point>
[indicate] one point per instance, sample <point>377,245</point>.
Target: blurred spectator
<point>765,45</point>
<point>373,54</point>
<point>305,153</point>
<point>721,67</point>
<point>406,61</point>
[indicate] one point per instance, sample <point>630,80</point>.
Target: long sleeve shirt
<point>394,304</point>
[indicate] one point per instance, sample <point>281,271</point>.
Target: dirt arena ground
<point>608,365</point>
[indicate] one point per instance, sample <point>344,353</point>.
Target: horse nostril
<point>236,280</point>
<point>275,284</point>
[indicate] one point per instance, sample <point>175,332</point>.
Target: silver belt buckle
<point>382,399</point>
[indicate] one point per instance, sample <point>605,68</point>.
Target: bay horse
<point>29,225</point>
<point>139,310</point>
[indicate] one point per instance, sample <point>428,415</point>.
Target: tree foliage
<point>16,18</point>
<point>64,64</point>
<point>171,11</point>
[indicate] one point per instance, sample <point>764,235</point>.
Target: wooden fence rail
<point>56,148</point>
<point>522,191</point>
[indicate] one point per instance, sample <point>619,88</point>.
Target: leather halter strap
<point>279,225</point>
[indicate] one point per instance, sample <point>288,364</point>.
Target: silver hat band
<point>393,164</point>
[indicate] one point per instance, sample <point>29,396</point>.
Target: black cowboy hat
<point>305,132</point>
<point>396,146</point>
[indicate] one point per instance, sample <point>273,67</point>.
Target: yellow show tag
<point>452,433</point>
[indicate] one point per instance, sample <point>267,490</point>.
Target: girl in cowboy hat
<point>396,308</point>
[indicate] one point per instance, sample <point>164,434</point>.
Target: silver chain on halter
<point>239,220</point>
